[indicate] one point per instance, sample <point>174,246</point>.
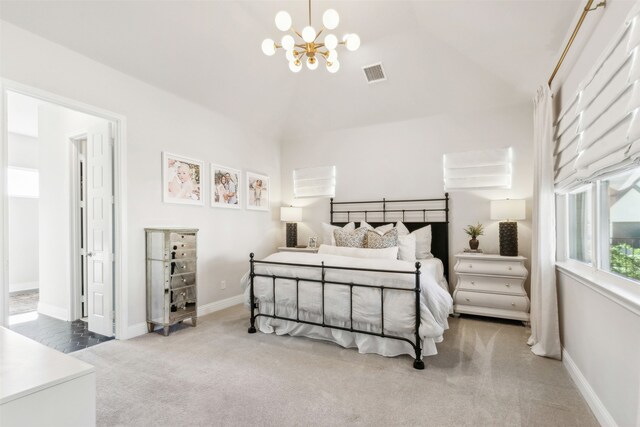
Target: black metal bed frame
<point>439,250</point>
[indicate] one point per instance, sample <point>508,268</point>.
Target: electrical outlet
<point>223,284</point>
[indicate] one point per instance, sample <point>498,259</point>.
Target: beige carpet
<point>217,374</point>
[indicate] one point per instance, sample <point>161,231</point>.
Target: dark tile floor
<point>63,336</point>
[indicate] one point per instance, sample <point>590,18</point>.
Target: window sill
<point>623,292</point>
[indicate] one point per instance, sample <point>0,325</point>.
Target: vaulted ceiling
<point>439,56</point>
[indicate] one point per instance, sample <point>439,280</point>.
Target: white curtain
<point>545,334</point>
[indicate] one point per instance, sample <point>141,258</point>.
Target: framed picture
<point>182,180</point>
<point>313,242</point>
<point>225,187</point>
<point>257,187</point>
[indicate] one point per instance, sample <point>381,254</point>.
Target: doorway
<point>74,257</point>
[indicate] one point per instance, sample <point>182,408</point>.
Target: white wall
<point>157,121</point>
<point>404,160</point>
<point>55,126</point>
<point>601,336</point>
<point>23,219</point>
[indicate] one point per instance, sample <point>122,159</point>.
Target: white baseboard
<point>594,402</point>
<point>24,286</point>
<point>141,328</point>
<point>220,305</point>
<point>53,311</point>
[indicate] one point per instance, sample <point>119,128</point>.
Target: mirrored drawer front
<point>182,241</point>
<point>183,280</point>
<point>503,268</point>
<point>181,267</point>
<point>503,302</point>
<point>504,285</point>
<point>183,296</point>
<point>183,254</point>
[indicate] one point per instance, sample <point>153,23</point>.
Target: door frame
<point>119,135</point>
<point>75,306</point>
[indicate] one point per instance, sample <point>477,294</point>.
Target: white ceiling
<point>439,56</point>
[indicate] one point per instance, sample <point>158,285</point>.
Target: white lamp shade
<point>283,20</point>
<point>508,209</point>
<point>290,214</point>
<point>330,19</point>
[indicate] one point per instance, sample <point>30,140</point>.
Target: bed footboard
<point>418,363</point>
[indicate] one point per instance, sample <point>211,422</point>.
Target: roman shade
<point>314,182</point>
<point>598,133</point>
<point>477,169</point>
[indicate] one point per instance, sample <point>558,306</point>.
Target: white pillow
<point>407,247</point>
<point>386,253</point>
<point>327,232</point>
<point>423,239</point>
<point>381,230</point>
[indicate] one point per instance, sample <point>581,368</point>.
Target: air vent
<point>374,73</point>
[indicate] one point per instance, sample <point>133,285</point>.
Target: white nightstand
<point>305,249</point>
<point>491,285</point>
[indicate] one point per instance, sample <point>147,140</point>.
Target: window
<point>580,225</point>
<point>620,224</point>
<point>22,182</point>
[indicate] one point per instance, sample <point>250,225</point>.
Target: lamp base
<point>509,238</point>
<point>292,234</point>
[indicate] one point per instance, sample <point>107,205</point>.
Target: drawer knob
<point>467,299</point>
<point>509,268</point>
<point>513,304</point>
<point>473,283</point>
<point>182,237</point>
<point>183,254</point>
<point>470,265</point>
<point>184,280</point>
<point>182,245</point>
<point>184,266</point>
<point>508,285</point>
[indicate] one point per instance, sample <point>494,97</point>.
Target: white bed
<point>399,306</point>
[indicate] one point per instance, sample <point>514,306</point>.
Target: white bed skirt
<point>364,343</point>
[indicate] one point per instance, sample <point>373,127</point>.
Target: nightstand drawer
<point>181,241</point>
<point>502,302</point>
<point>502,285</point>
<point>500,268</point>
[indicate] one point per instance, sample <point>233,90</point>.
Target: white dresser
<point>491,285</point>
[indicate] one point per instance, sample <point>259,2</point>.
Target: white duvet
<point>399,306</point>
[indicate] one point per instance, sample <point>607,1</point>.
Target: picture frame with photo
<point>182,180</point>
<point>313,242</point>
<point>257,189</point>
<point>226,187</point>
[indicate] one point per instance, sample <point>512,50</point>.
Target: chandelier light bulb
<point>333,67</point>
<point>308,34</point>
<point>283,20</point>
<point>290,56</point>
<point>312,63</point>
<point>353,42</point>
<point>330,19</point>
<point>295,65</point>
<point>330,42</point>
<point>288,42</point>
<point>268,47</point>
<point>333,56</point>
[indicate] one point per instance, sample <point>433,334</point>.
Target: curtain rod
<point>586,10</point>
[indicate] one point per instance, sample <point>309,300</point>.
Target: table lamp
<point>291,216</point>
<point>509,210</point>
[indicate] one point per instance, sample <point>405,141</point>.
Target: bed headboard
<point>414,214</point>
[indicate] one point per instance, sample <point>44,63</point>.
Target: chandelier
<point>309,48</point>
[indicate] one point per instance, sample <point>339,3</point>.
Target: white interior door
<point>100,229</point>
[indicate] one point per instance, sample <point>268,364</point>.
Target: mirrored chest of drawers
<point>172,286</point>
<point>491,285</point>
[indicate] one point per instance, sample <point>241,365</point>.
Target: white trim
<point>141,328</point>
<point>23,286</point>
<point>220,305</point>
<point>120,195</point>
<point>136,330</point>
<point>625,296</point>
<point>53,311</point>
<point>597,407</point>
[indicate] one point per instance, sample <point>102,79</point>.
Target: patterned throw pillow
<point>375,240</point>
<point>351,239</point>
